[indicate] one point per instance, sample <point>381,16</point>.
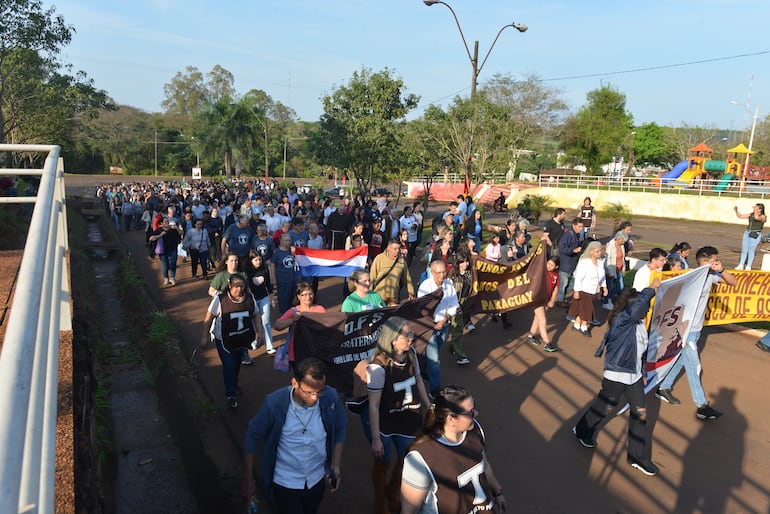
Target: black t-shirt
<point>554,230</point>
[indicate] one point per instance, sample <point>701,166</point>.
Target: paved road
<point>528,401</point>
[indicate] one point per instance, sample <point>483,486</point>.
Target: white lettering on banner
<point>406,386</point>
<point>473,475</point>
<point>240,316</point>
<point>351,326</point>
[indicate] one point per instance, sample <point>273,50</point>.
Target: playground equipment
<point>700,162</point>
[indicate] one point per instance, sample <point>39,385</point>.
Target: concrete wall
<point>669,205</point>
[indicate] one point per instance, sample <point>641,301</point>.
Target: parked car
<point>379,191</point>
<point>337,191</point>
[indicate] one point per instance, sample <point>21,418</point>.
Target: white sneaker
<point>165,281</point>
<point>470,327</point>
<point>739,267</point>
<point>172,281</point>
<point>271,351</point>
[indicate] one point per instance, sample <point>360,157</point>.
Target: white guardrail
<point>30,356</point>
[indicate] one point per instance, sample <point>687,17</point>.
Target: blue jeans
<point>432,355</point>
<point>117,221</point>
<point>401,442</point>
<point>748,247</point>
<point>765,340</point>
<point>286,291</point>
<point>565,280</point>
<point>690,361</point>
<point>168,264</point>
<point>263,306</point>
<point>231,366</point>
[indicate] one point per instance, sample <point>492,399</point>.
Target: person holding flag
<point>624,347</point>
<point>689,359</point>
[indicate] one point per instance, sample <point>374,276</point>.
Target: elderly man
<point>272,220</point>
<point>302,428</point>
<point>446,308</point>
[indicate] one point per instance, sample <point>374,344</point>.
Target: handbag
<point>159,246</point>
<point>281,359</point>
<point>754,234</point>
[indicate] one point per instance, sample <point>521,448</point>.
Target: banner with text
<point>749,300</point>
<point>342,339</point>
<point>676,305</point>
<point>502,288</point>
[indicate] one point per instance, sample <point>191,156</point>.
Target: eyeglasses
<point>470,413</point>
<point>365,282</point>
<point>312,394</point>
<point>408,335</point>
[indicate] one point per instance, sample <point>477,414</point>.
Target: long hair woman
<point>302,303</point>
<point>393,417</point>
<point>261,287</point>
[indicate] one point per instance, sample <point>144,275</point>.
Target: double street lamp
<point>476,67</point>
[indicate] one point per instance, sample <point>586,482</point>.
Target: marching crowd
<point>242,236</point>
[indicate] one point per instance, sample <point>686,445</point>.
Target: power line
<point>633,70</point>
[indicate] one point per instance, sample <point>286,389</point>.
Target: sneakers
<point>666,396</point>
<point>462,361</point>
<point>470,327</point>
<point>588,443</point>
<point>232,402</point>
<point>271,351</point>
<point>706,412</point>
<point>246,360</point>
<point>595,323</point>
<point>739,267</point>
<point>550,347</point>
<point>608,306</point>
<point>646,467</point>
<point>533,340</point>
<point>585,333</point>
<point>172,281</point>
<point>165,281</point>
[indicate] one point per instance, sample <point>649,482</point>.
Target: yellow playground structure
<point>699,162</point>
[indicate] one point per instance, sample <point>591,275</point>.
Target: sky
<point>298,51</point>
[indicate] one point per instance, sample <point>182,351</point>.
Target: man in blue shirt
<point>302,428</point>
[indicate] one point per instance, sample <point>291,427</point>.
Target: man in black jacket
<point>570,248</point>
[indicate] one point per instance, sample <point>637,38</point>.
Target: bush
<point>618,212</point>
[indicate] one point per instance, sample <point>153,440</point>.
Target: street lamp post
<point>475,68</point>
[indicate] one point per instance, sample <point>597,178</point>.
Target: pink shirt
<point>290,337</point>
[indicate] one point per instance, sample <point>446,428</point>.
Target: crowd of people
<point>246,234</point>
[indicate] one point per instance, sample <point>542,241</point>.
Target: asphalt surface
<point>528,401</point>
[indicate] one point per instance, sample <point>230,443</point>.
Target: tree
<point>122,136</point>
<point>186,94</point>
<point>360,125</point>
<point>761,143</point>
<point>39,95</point>
<point>534,109</point>
<point>649,144</point>
<point>225,127</point>
<point>596,131</point>
<point>679,140</point>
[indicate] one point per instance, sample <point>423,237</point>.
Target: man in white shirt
<point>446,308</point>
<point>409,223</point>
<point>272,220</point>
<point>643,275</point>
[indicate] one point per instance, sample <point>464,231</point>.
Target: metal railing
<point>736,188</point>
<point>30,356</point>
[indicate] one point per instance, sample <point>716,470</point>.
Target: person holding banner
<point>540,322</point>
<point>625,348</point>
<point>303,303</point>
<point>397,396</point>
<point>446,308</point>
<point>688,359</point>
<point>362,298</point>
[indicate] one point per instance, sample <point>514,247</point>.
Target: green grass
<point>162,330</point>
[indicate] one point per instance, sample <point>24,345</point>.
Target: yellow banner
<point>749,300</point>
